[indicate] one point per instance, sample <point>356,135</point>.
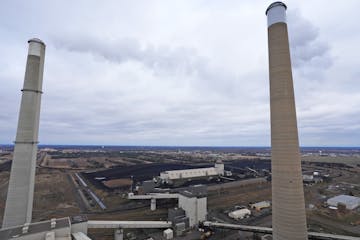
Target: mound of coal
<point>139,172</point>
<point>6,166</point>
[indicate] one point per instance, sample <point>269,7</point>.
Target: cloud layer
<point>185,73</point>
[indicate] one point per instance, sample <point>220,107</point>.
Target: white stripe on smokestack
<point>276,13</point>
<point>288,205</point>
<point>19,202</point>
<point>35,46</point>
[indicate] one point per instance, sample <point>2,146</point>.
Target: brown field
<point>53,195</point>
<point>58,163</point>
<point>118,183</point>
<point>4,180</point>
<point>241,195</point>
<point>85,163</point>
<point>351,160</point>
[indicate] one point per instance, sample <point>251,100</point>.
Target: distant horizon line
<point>184,146</point>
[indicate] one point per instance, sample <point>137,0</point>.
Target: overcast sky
<point>184,72</point>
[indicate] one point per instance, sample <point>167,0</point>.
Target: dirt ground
<point>116,183</point>
<point>351,160</point>
<point>55,196</point>
<point>4,181</point>
<point>243,195</point>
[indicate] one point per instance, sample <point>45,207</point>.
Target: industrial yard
<point>184,75</point>
<point>64,189</point>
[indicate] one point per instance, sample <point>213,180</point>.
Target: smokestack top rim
<point>37,40</point>
<point>275,4</point>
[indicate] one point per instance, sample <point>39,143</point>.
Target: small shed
<point>168,234</point>
<point>240,214</point>
<point>260,205</point>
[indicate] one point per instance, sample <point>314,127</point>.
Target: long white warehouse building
<point>170,176</point>
<point>350,202</point>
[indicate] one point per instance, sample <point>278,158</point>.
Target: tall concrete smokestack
<point>19,200</point>
<point>288,210</point>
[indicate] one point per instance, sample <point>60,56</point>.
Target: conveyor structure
<point>152,197</point>
<point>267,230</point>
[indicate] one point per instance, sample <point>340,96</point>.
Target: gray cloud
<point>179,74</point>
<point>160,59</point>
<point>310,55</point>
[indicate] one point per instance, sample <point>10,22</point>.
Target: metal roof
<point>33,228</point>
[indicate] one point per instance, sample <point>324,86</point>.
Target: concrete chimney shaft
<point>19,202</point>
<point>288,206</point>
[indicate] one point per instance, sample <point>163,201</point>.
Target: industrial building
<point>179,220</point>
<point>350,202</point>
<point>74,228</point>
<point>40,230</point>
<point>307,178</point>
<point>194,203</point>
<point>170,177</point>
